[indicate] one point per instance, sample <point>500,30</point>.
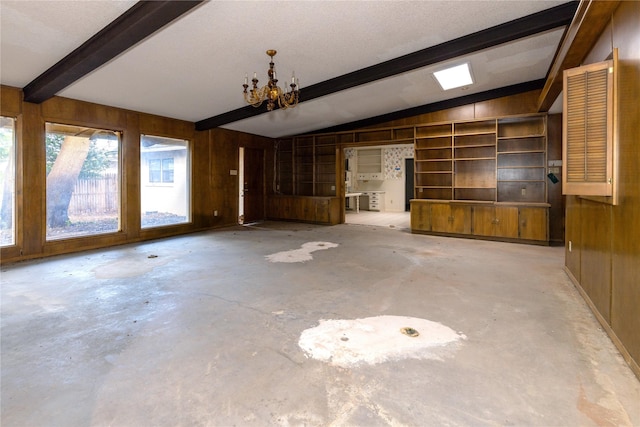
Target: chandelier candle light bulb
<point>271,92</point>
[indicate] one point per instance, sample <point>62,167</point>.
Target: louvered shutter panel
<point>587,148</point>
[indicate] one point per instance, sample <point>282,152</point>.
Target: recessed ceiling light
<point>453,77</point>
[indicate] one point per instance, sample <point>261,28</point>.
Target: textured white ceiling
<point>194,68</point>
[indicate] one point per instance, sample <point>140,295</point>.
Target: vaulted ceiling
<point>357,61</point>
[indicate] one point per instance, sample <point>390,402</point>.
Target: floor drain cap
<point>410,332</point>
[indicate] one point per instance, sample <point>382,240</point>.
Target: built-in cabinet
<point>374,199</point>
<point>319,210</point>
<point>497,166</point>
<point>369,164</point>
<point>510,222</point>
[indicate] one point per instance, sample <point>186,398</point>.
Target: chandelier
<point>271,92</point>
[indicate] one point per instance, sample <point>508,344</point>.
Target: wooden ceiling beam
<point>141,20</point>
<point>513,30</point>
<point>590,20</point>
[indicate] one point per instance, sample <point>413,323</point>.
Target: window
<point>155,170</point>
<point>161,170</point>
<point>83,181</point>
<point>7,181</point>
<point>165,181</point>
<point>588,130</point>
<point>167,170</point>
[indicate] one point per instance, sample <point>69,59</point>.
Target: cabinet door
<point>533,223</point>
<point>322,211</point>
<point>500,221</point>
<point>447,218</point>
<point>460,219</point>
<point>421,216</point>
<point>483,220</point>
<point>506,222</point>
<point>440,217</point>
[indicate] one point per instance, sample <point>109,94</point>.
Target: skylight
<point>453,77</point>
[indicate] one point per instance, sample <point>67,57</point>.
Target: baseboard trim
<point>605,325</point>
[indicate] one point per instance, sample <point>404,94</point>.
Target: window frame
<point>16,176</point>
<point>167,177</point>
<point>119,183</point>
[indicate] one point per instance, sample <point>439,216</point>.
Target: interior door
<point>253,189</point>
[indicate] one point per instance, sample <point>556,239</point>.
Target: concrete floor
<point>206,333</point>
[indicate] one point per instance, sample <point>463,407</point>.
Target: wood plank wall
<point>604,259</point>
<point>214,154</point>
<point>523,103</point>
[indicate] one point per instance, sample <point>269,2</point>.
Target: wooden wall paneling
<point>80,113</point>
<point>554,191</point>
<point>224,186</point>
<point>11,106</point>
<point>201,209</point>
<point>523,103</point>
<point>33,180</point>
<point>595,257</point>
<point>130,177</point>
<point>465,112</point>
<point>625,303</point>
<point>10,101</point>
<point>573,236</point>
<point>162,126</point>
<point>340,183</point>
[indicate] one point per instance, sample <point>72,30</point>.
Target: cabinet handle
<point>451,219</point>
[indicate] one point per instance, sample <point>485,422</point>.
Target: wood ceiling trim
<point>513,30</point>
<point>137,23</point>
<point>590,20</point>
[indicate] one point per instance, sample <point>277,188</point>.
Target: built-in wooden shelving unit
<point>483,178</point>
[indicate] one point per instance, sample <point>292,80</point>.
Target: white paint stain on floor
<point>373,340</point>
<point>300,255</point>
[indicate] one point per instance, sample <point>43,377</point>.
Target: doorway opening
<point>375,185</point>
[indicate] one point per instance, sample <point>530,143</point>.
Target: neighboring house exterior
<point>163,178</point>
